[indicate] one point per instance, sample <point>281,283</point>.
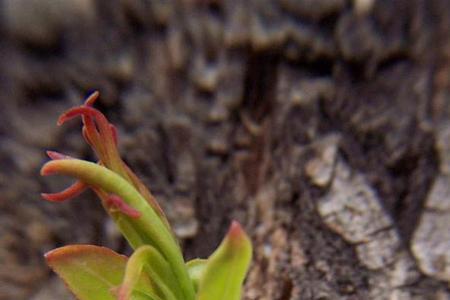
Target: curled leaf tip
<point>82,110</point>
<point>118,203</point>
<point>71,192</point>
<point>97,131</point>
<point>49,168</point>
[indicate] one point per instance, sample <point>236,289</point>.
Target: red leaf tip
<point>237,236</point>
<point>122,292</point>
<point>56,155</point>
<point>72,191</point>
<point>90,100</point>
<point>80,110</point>
<point>48,169</point>
<point>47,196</point>
<point>235,230</point>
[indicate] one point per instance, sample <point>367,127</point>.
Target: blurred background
<point>321,125</point>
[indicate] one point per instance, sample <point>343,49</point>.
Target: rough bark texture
<point>322,126</point>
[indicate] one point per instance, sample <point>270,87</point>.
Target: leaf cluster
<point>156,270</point>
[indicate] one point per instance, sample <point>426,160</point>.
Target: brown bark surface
<point>321,125</point>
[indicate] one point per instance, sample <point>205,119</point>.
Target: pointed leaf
<point>90,272</point>
<point>226,268</point>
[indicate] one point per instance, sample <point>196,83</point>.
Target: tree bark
<point>322,126</point>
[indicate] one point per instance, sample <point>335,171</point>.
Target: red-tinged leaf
<point>99,133</point>
<point>88,111</point>
<point>114,133</point>
<point>92,136</point>
<point>90,272</point>
<point>87,136</point>
<point>119,204</point>
<point>225,270</point>
<point>72,191</point>
<point>56,155</point>
<point>92,98</point>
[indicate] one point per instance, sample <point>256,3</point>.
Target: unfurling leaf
<point>226,268</point>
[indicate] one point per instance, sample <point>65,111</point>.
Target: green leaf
<point>225,270</point>
<point>147,260</point>
<point>90,272</point>
<point>196,268</point>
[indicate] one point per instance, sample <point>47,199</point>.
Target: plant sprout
<point>156,270</point>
